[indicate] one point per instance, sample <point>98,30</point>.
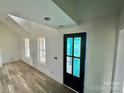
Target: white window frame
<point>41,43</point>
<point>27,47</point>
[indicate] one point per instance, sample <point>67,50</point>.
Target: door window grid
<point>77,46</point>
<point>69,46</point>
<point>76,67</point>
<point>73,66</point>
<point>69,65</point>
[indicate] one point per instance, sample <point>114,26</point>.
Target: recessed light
<point>47,18</point>
<point>61,26</point>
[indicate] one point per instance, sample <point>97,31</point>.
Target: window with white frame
<point>41,49</point>
<point>27,48</point>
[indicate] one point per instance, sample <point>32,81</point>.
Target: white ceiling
<point>96,8</point>
<point>12,25</point>
<point>36,10</point>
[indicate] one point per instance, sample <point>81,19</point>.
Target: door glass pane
<point>76,67</point>
<point>77,46</point>
<point>69,65</point>
<point>69,46</point>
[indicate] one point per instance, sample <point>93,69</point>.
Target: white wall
<point>121,21</point>
<point>53,68</point>
<point>119,66</point>
<point>119,75</point>
<point>9,44</point>
<point>0,58</point>
<point>100,51</point>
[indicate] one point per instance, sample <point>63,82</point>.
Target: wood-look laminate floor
<point>18,77</point>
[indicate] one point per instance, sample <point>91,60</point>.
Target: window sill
<point>42,63</point>
<point>27,57</point>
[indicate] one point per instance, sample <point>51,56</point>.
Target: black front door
<point>74,60</point>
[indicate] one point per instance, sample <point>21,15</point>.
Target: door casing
<point>79,87</point>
